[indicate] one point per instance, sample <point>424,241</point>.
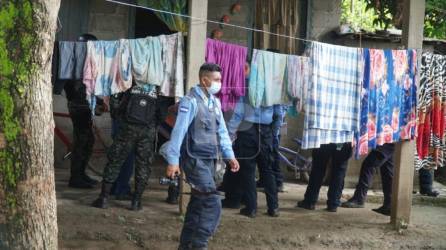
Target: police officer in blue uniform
<point>255,129</point>
<point>198,137</point>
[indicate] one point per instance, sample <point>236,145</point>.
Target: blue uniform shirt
<point>262,115</point>
<point>186,113</point>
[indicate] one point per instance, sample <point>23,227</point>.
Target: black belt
<point>256,125</point>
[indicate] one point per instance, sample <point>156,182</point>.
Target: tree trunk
<point>28,218</point>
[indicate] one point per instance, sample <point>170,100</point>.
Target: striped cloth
<point>333,99</point>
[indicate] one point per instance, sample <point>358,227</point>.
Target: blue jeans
<point>122,185</point>
<point>204,208</point>
<point>339,160</point>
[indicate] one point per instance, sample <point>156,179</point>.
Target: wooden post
<point>196,48</point>
<point>405,151</point>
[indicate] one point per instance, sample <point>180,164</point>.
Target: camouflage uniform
<point>132,136</point>
<point>138,133</point>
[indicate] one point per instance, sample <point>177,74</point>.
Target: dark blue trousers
<point>382,158</point>
<point>204,208</point>
<point>426,179</point>
<point>339,160</point>
<point>253,148</point>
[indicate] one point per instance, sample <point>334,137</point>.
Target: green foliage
<point>434,22</point>
<point>435,19</point>
<point>384,9</point>
<point>356,14</point>
<point>16,41</point>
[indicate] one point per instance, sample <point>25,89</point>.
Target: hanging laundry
<point>66,60</point>
<point>431,136</point>
<point>147,65</point>
<point>173,62</point>
<point>107,69</point>
<point>267,78</point>
<point>297,80</point>
<point>80,52</point>
<point>388,98</point>
<point>124,74</point>
<point>232,59</point>
<point>71,60</point>
<point>333,98</point>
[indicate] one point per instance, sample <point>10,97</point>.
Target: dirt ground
<point>158,225</point>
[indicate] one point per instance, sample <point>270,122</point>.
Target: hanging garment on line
<point>388,98</point>
<point>431,136</point>
<point>173,62</point>
<point>333,98</point>
<point>71,60</point>
<point>232,59</point>
<point>297,80</point>
<point>107,69</point>
<point>267,78</point>
<point>147,64</point>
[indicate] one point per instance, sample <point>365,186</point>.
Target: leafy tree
<point>384,14</point>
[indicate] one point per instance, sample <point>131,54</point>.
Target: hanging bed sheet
<point>388,98</point>
<point>431,140</point>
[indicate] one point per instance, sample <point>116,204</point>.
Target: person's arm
<point>223,136</point>
<point>226,144</point>
<point>278,116</point>
<point>237,117</point>
<point>186,114</point>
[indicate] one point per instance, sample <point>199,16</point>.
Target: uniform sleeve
<point>223,136</point>
<point>278,116</point>
<point>237,117</point>
<point>186,114</point>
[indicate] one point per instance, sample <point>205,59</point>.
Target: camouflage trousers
<point>131,136</point>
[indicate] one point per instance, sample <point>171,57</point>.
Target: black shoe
<point>305,205</point>
<point>248,213</point>
<point>102,200</point>
<point>273,212</point>
<point>228,204</point>
<point>430,193</point>
<point>352,204</point>
<point>280,189</point>
<point>136,205</point>
<point>382,210</point>
<point>331,209</point>
<point>79,183</point>
<point>90,180</point>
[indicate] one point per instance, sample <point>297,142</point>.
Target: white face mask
<point>214,88</point>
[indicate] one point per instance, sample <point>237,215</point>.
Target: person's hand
<point>233,165</point>
<point>172,171</point>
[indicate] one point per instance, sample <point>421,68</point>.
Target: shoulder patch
<point>184,109</point>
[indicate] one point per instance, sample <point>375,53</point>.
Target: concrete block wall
<point>108,21</point>
<point>323,17</point>
<point>218,8</point>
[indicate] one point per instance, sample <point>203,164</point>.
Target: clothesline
<point>210,21</point>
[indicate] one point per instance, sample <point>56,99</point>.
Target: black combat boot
<point>102,200</point>
<point>77,180</point>
<point>136,204</point>
<point>136,200</point>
